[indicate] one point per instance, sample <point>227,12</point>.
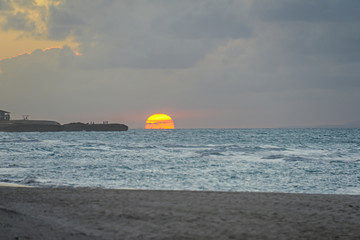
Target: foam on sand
<point>13,185</point>
<point>82,213</point>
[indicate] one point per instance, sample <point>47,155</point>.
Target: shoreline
<point>19,185</point>
<point>86,213</point>
<point>4,184</point>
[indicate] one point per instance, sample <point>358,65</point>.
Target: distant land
<point>52,126</point>
<point>43,126</point>
<point>7,125</point>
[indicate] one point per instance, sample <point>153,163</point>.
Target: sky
<point>206,63</point>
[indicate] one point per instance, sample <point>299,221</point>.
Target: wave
<point>205,153</point>
<point>276,156</point>
<point>296,159</point>
<point>28,180</point>
<point>218,160</point>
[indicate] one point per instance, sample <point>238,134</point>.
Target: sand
<point>82,213</point>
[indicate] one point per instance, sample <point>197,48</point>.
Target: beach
<point>85,213</point>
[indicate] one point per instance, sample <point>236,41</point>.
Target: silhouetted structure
<point>26,125</point>
<point>4,115</point>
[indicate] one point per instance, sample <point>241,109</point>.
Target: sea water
<point>267,160</point>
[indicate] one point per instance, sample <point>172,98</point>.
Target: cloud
<point>225,64</point>
<point>5,5</point>
<point>50,85</point>
<point>258,81</point>
<point>49,58</point>
<point>31,17</point>
<point>147,35</point>
<point>327,28</point>
<point>19,21</point>
<point>205,20</point>
<point>34,81</point>
<point>307,10</point>
<point>177,35</point>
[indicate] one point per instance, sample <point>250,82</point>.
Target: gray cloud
<point>150,35</point>
<point>19,21</point>
<point>5,5</point>
<point>19,15</point>
<point>307,10</point>
<point>63,22</point>
<point>205,20</point>
<point>327,28</point>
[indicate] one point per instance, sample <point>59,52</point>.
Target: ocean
<point>295,160</point>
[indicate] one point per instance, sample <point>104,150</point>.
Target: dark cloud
<point>63,22</point>
<point>23,15</point>
<point>19,21</point>
<point>328,28</point>
<point>307,10</point>
<point>5,5</point>
<point>337,41</point>
<point>205,20</point>
<point>150,35</point>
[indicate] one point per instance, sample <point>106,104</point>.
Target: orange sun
<point>159,121</point>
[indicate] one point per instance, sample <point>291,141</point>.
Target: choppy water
<point>268,160</point>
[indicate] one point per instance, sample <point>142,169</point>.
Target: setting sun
<point>159,121</point>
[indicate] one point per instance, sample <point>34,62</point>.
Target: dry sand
<point>43,213</point>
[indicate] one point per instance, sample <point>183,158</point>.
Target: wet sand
<point>81,213</point>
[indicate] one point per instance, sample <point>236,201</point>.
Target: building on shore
<point>4,115</point>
